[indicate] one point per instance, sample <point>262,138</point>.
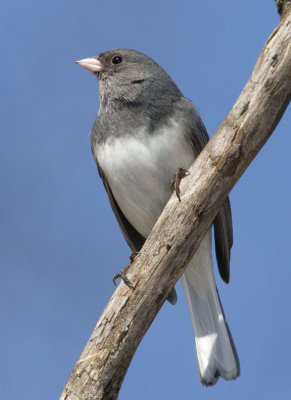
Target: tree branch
<point>103,363</point>
<point>283,7</point>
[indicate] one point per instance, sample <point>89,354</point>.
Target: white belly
<point>139,171</point>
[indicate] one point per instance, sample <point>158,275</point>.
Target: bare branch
<point>283,7</point>
<point>103,363</point>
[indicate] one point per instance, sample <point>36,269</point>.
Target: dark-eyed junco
<point>144,131</point>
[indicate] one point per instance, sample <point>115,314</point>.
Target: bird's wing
<point>223,221</point>
<point>134,239</point>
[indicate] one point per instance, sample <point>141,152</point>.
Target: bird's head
<point>128,75</point>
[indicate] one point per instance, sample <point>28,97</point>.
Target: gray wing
<point>223,221</point>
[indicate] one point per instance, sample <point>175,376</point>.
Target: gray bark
<point>103,363</point>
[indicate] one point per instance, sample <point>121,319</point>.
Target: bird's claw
<point>123,276</point>
<point>122,273</point>
<point>175,182</point>
<point>133,256</point>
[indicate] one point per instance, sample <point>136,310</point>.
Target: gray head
<point>129,76</point>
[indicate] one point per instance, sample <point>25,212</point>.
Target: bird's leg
<point>133,255</point>
<point>175,182</point>
<point>122,273</point>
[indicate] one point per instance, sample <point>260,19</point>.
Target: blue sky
<point>60,244</point>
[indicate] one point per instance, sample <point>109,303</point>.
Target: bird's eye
<point>116,60</point>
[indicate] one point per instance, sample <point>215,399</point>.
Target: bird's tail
<point>216,352</point>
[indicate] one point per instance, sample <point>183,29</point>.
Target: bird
<point>145,130</point>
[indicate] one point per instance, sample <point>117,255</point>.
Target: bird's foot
<point>133,256</point>
<point>122,275</point>
<point>175,182</point>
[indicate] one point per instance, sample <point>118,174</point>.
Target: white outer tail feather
<point>216,353</point>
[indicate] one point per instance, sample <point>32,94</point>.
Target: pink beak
<point>92,64</point>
